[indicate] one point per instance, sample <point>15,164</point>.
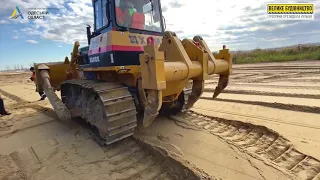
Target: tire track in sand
<point>258,141</point>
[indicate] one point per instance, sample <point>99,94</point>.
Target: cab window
<point>97,13</point>
<point>104,12</point>
<point>100,13</point>
<point>138,14</point>
<point>152,16</point>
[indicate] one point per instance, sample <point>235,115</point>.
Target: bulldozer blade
<point>222,84</point>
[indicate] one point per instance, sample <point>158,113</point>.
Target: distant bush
<point>286,54</point>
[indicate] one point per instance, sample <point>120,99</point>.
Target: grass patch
<point>289,54</point>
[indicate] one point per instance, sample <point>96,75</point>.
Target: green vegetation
<point>277,55</point>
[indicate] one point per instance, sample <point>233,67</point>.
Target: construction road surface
<point>265,125</point>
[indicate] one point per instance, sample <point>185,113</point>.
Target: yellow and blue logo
<point>14,14</point>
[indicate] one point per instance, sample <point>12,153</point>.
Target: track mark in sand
<point>10,169</point>
<point>261,118</point>
<point>306,80</point>
<point>13,97</point>
<point>131,161</point>
<point>275,86</point>
<point>270,77</point>
<point>134,160</point>
<point>249,92</point>
<point>317,177</point>
<point>76,155</point>
<point>235,84</point>
<point>24,109</point>
<point>282,67</point>
<point>258,141</point>
<point>283,106</point>
<point>147,160</point>
<point>21,103</point>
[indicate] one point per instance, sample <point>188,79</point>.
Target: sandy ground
<point>264,126</point>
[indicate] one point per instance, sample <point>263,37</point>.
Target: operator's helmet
<point>123,4</point>
<point>129,4</point>
<point>32,69</point>
<point>126,4</point>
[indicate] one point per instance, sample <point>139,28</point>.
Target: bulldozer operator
<point>125,13</point>
<point>128,16</point>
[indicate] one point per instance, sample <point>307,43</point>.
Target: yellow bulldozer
<point>131,70</point>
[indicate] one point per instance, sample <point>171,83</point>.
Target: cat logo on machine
<point>141,40</point>
<point>94,59</point>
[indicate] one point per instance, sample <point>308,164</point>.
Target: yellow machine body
<point>182,63</point>
<point>124,79</point>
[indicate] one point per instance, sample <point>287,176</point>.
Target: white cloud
<point>32,41</point>
<point>15,37</point>
<point>239,24</point>
<point>242,24</point>
<point>65,26</point>
<point>277,39</point>
<point>2,21</point>
<point>23,5</point>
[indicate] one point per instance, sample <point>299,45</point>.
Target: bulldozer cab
<point>135,16</point>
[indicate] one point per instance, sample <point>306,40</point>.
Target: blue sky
<point>241,25</point>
